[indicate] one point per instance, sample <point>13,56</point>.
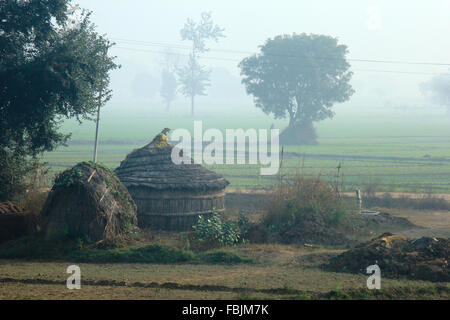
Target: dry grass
<point>303,195</point>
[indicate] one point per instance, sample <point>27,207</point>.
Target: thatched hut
<point>170,196</point>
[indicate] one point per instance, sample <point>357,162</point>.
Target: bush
<point>306,211</point>
<point>216,231</point>
<point>293,199</point>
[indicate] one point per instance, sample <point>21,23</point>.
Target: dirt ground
<point>432,223</point>
<point>279,271</point>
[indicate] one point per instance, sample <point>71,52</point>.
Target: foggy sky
<point>382,30</point>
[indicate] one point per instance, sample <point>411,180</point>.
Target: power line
<point>185,47</point>
<point>238,60</point>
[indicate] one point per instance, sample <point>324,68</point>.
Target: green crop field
<point>395,153</point>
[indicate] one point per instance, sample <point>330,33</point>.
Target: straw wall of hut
<point>170,196</point>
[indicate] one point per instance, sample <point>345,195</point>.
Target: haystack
<point>15,222</point>
<point>170,196</point>
<point>89,201</point>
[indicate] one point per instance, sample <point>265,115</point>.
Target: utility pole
<point>96,127</point>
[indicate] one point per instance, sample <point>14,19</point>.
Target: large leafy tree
<point>53,65</point>
<point>194,78</point>
<point>299,76</point>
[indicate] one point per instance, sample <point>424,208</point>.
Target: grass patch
<point>36,247</point>
<point>220,256</point>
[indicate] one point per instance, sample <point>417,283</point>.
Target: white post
<point>358,200</point>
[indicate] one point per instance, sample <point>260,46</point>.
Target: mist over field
<point>403,31</point>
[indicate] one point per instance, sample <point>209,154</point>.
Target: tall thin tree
<point>194,78</point>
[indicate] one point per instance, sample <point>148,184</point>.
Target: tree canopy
<point>53,65</point>
<point>299,76</point>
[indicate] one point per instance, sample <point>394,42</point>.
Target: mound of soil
<point>386,220</point>
<point>16,222</point>
<point>421,259</point>
<point>311,229</point>
<point>366,226</point>
<point>89,201</point>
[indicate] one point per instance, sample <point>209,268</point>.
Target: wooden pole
<point>96,129</point>
<point>358,200</point>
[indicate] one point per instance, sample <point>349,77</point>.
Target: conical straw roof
<point>151,167</point>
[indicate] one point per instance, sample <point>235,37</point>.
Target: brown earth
<point>424,259</point>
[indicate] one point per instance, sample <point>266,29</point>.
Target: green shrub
<point>216,230</point>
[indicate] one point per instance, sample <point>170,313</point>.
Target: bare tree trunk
<point>291,117</point>
<point>192,105</point>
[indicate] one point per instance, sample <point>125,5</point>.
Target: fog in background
<point>408,31</point>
